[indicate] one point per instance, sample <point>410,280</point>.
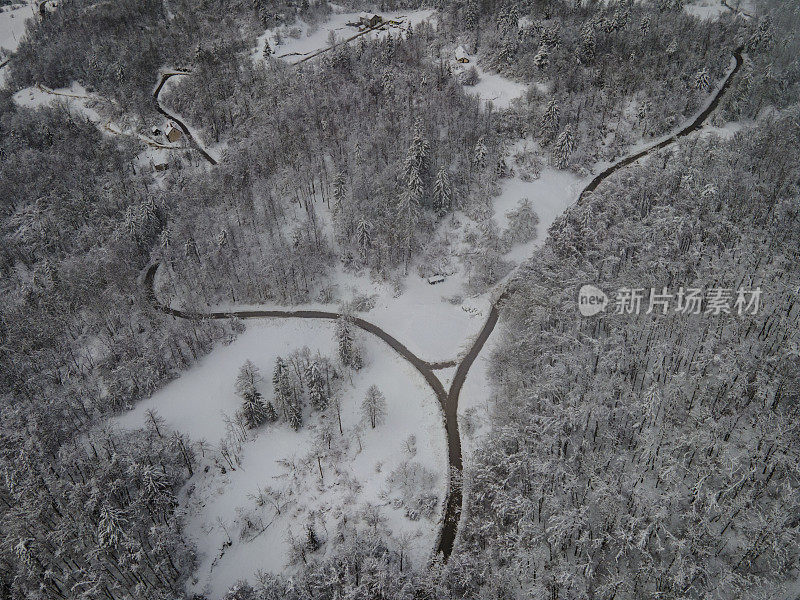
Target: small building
<point>434,279</point>
<point>155,131</point>
<point>160,164</point>
<point>370,20</point>
<point>172,132</point>
<point>462,55</point>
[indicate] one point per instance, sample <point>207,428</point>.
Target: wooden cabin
<point>370,20</point>
<point>172,132</point>
<point>462,55</point>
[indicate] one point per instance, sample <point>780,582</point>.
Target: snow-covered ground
<point>438,322</point>
<point>712,9</point>
<point>294,42</point>
<point>498,90</point>
<point>12,28</point>
<point>219,505</point>
<point>87,105</point>
<point>12,23</point>
<point>491,87</point>
<point>75,97</point>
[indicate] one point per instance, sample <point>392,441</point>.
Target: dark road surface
<point>447,399</point>
<point>192,142</point>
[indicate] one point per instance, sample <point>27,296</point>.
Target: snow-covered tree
<point>339,190</point>
<point>373,407</point>
<point>408,216</point>
<point>542,58</point>
<point>702,80</point>
<point>111,527</point>
<point>247,380</point>
<point>241,590</point>
<point>442,192</point>
<point>254,410</point>
<point>479,153</point>
<point>588,44</point>
<point>416,165</point>
<point>522,223</point>
<point>317,386</point>
<point>349,353</point>
<point>312,541</point>
<point>287,397</point>
<point>563,148</point>
<point>363,239</point>
<point>550,119</point>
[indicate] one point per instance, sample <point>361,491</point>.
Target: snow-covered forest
<point>293,299</point>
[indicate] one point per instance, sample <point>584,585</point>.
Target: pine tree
<point>111,527</point>
<point>311,539</point>
<point>267,50</point>
<point>415,166</point>
<point>501,169</point>
<point>363,239</point>
<point>565,144</point>
<point>294,412</point>
<point>415,171</point>
<point>272,414</point>
<point>373,408</point>
<point>344,337</point>
<point>247,380</point>
<point>349,353</point>
<point>408,214</point>
<point>339,190</point>
<point>442,193</point>
<point>550,119</point>
<point>542,58</point>
<point>282,386</point>
<point>508,50</point>
<point>317,387</point>
<point>588,44</point>
<point>254,410</point>
<point>480,153</point>
<point>286,394</point>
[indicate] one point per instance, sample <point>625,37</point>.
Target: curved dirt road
<point>447,399</point>
<point>453,510</point>
<point>192,142</point>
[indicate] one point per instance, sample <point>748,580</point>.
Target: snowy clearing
<point>438,322</point>
<point>712,9</point>
<point>85,105</point>
<point>12,28</point>
<point>491,87</point>
<point>220,505</point>
<point>12,24</point>
<point>295,42</point>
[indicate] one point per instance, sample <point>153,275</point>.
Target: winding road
<point>192,141</point>
<point>447,399</point>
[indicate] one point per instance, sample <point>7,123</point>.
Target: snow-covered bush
<point>411,481</point>
<point>522,223</point>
